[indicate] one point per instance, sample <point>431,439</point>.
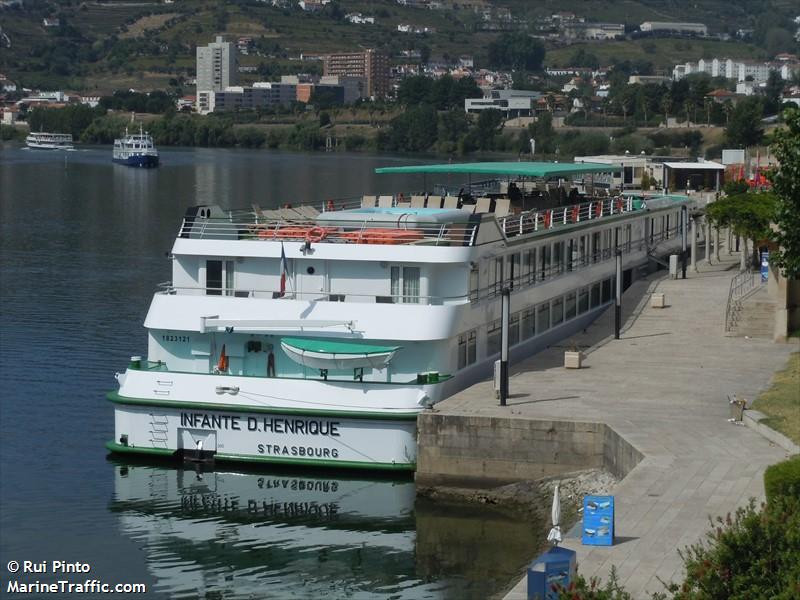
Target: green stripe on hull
<point>379,416</point>
<point>345,464</point>
<point>120,449</point>
<point>246,458</point>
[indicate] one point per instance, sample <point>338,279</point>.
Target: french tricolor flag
<point>284,271</point>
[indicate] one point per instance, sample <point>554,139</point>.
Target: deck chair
<point>450,202</point>
<point>385,201</point>
<point>404,205</point>
<point>434,202</point>
<point>502,207</point>
<point>483,205</point>
<point>271,214</point>
<point>470,208</point>
<point>417,201</point>
<point>290,214</point>
<point>307,211</point>
<point>368,201</point>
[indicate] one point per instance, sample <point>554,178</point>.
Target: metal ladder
<point>159,430</point>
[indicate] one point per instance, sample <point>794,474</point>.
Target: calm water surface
<point>82,247</point>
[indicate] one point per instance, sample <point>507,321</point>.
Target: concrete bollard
<point>657,301</point>
<point>673,266</point>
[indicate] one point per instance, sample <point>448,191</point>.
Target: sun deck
<point>394,224</point>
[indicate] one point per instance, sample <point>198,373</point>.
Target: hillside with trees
<point>149,45</point>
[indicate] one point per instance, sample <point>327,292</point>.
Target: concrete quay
<point>662,389</point>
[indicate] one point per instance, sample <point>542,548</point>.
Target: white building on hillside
<point>216,65</point>
<point>668,27</point>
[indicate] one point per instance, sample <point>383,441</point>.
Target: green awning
<point>520,169</point>
<point>336,347</point>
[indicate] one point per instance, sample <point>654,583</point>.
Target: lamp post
<point>618,295</point>
<point>506,308</point>
<point>684,234</point>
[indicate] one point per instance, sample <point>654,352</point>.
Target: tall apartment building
<point>216,66</point>
<point>370,65</point>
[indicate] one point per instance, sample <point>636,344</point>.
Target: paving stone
<point>664,389</point>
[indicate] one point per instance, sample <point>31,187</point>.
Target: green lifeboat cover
<point>336,347</point>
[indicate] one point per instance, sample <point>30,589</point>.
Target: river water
<point>82,248</point>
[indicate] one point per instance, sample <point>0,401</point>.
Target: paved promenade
<point>662,387</point>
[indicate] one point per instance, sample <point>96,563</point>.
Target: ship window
<point>543,317</point>
<point>596,246</point>
<point>558,254</point>
<point>493,338</point>
<point>557,311</point>
<point>217,272</point>
<point>583,300</point>
<point>544,261</point>
<point>595,295</point>
<point>607,290</point>
<point>607,244</point>
<point>514,269</point>
<point>582,250</point>
<point>529,266</point>
<point>474,282</point>
<point>528,323</point>
<point>472,347</point>
<point>569,306</point>
<point>513,329</point>
<point>411,284</point>
<point>405,284</point>
<point>498,275</point>
<point>467,351</point>
<point>572,255</point>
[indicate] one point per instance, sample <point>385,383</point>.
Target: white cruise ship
<point>316,337</point>
<point>49,141</point>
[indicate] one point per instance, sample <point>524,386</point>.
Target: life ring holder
<point>315,234</point>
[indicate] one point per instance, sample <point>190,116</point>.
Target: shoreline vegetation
<point>421,129</point>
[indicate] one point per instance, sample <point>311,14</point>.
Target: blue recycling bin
<point>598,521</point>
<point>557,566</point>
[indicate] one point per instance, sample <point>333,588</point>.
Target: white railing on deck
<point>549,218</point>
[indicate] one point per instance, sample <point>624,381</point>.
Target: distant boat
<point>49,141</point>
<point>136,150</point>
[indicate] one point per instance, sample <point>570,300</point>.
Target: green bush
<point>754,554</point>
<point>783,479</point>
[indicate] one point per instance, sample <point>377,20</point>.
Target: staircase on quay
<point>753,315</point>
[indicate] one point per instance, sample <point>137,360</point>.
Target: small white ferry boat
<point>136,150</point>
<point>316,335</point>
<point>49,141</point>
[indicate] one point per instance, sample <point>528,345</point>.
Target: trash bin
<point>136,362</point>
<point>555,566</point>
<point>737,409</point>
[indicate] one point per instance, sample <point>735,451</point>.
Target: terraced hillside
<point>112,44</point>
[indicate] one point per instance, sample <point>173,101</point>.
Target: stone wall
<point>487,451</point>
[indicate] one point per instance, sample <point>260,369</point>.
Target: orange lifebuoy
<point>316,234</point>
<point>330,207</point>
<point>575,212</point>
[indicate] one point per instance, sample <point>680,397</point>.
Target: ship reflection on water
<point>284,534</point>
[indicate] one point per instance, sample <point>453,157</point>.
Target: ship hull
<point>197,431</point>
<point>142,161</point>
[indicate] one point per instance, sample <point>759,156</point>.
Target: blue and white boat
<point>136,150</point>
